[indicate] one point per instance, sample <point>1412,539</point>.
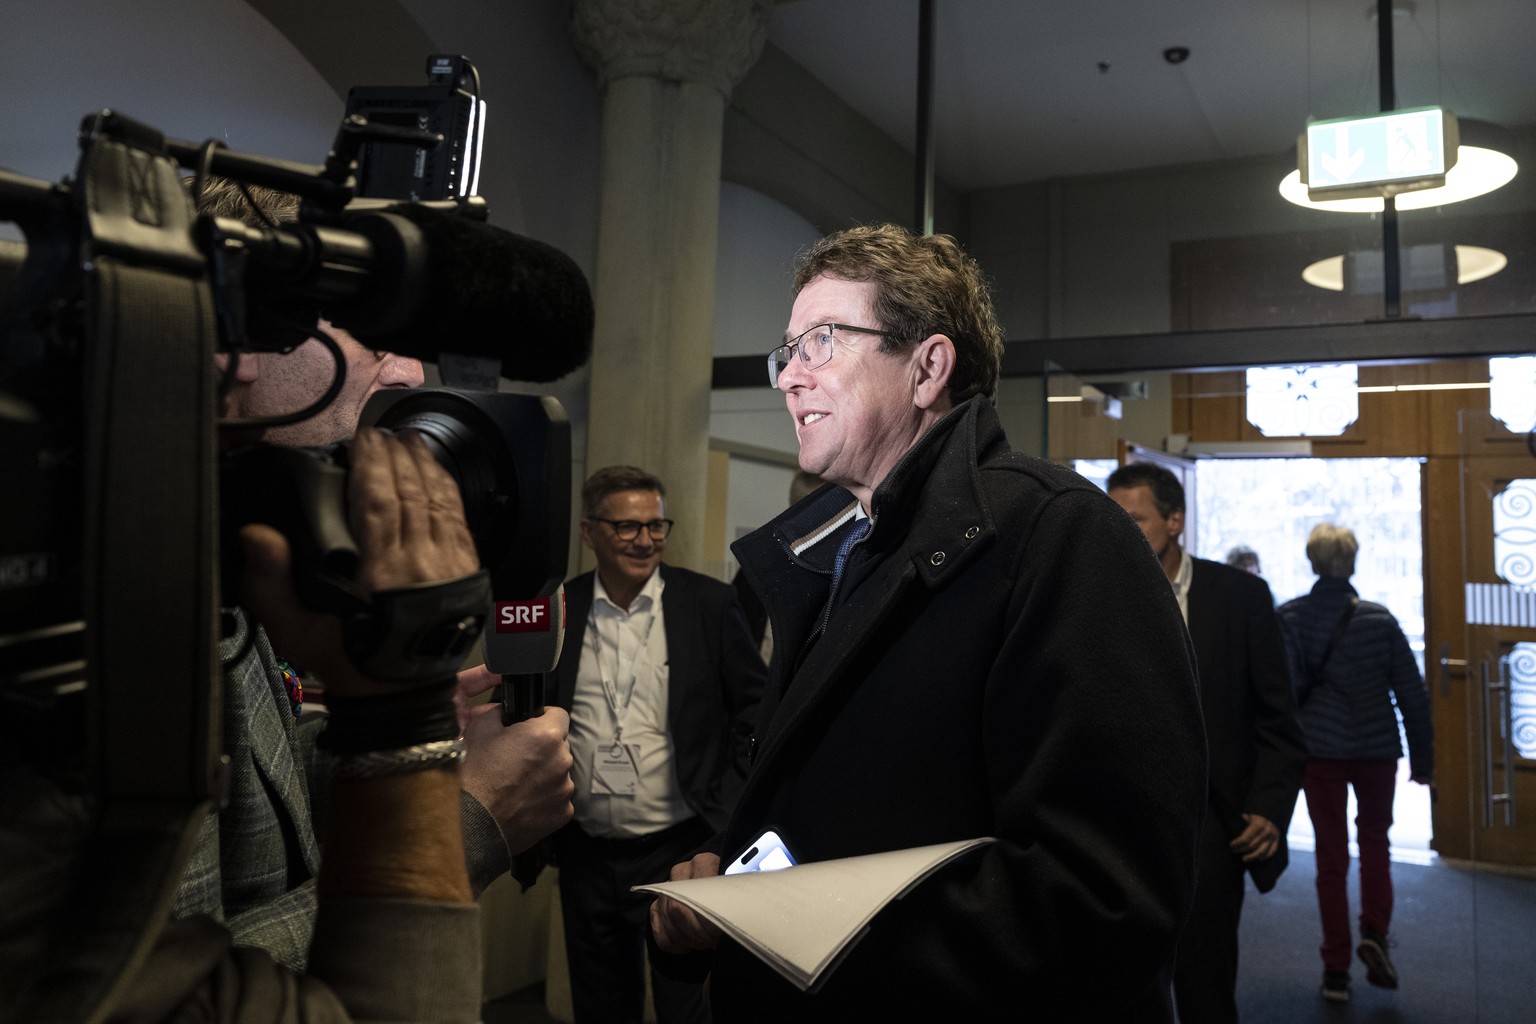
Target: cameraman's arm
<point>397,936</point>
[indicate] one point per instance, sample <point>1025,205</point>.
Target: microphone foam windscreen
<point>504,296</point>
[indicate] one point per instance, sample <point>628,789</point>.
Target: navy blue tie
<point>859,529</point>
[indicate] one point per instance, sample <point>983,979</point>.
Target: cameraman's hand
<point>408,520</point>
<point>520,772</point>
<point>473,684</point>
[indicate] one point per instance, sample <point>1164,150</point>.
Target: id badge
<point>616,770</point>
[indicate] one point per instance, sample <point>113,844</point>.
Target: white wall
<point>194,69</point>
<point>759,238</point>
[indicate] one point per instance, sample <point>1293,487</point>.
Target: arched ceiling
<point>356,41</point>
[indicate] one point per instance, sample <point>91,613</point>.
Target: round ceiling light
<point>1328,273</point>
<point>1478,171</point>
<point>1473,263</point>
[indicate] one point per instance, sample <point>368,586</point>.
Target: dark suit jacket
<point>714,682</point>
<point>751,606</point>
<point>1257,757</point>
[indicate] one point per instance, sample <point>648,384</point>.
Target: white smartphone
<point>765,853</point>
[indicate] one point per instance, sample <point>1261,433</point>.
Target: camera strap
<point>148,562</point>
<point>419,633</point>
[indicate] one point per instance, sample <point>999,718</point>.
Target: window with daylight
<point>1512,391</point>
<point>1271,505</point>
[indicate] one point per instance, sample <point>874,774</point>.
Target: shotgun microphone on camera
<point>421,281</point>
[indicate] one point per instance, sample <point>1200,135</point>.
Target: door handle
<point>1506,727</point>
<point>1446,664</point>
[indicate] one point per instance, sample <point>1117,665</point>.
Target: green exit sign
<point>1400,151</point>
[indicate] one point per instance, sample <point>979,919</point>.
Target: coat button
<point>938,558</point>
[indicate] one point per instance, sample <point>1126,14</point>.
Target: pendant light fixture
<point>1478,165</point>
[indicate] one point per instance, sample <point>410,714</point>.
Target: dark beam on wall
<point>1376,341</point>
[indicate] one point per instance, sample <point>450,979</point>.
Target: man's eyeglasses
<point>814,347</point>
<point>629,529</point>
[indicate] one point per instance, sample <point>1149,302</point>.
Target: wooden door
<point>1482,663</point>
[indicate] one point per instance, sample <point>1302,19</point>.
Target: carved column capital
<point>711,42</point>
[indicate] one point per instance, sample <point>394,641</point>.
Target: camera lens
<point>466,443</point>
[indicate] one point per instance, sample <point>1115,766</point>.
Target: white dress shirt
<point>1181,581</point>
<point>619,713</point>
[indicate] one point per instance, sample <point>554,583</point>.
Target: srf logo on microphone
<point>523,616</point>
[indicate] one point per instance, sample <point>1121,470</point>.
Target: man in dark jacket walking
<point>1353,667</point>
<point>968,642</point>
<point>1256,750</point>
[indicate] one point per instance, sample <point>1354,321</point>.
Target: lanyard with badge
<point>616,768</point>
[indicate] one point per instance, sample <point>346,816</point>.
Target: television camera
<point>122,493</point>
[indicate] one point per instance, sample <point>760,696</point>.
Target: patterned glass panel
<point>1514,533</point>
<point>1512,391</point>
<point>1303,401</point>
<point>1498,604</point>
<point>1520,674</point>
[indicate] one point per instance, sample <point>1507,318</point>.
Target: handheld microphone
<point>522,646</point>
<point>421,281</point>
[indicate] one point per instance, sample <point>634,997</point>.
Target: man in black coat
<point>1256,754</point>
<point>662,681</point>
<point>968,643</point>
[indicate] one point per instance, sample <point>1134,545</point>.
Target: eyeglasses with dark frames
<point>629,529</point>
<point>814,347</point>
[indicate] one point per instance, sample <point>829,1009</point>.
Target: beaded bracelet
<point>373,764</point>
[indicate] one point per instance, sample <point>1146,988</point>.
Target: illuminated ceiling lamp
<point>1420,158</point>
<point>1473,263</point>
<point>1480,167</point>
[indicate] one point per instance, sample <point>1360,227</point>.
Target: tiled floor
<point>1460,939</point>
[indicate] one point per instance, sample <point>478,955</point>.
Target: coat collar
<point>931,519</point>
<point>900,518</point>
<point>1333,585</point>
<point>930,509</point>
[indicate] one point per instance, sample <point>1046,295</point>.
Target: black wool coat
<point>1005,658</point>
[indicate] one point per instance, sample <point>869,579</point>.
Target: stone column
<point>667,68</point>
